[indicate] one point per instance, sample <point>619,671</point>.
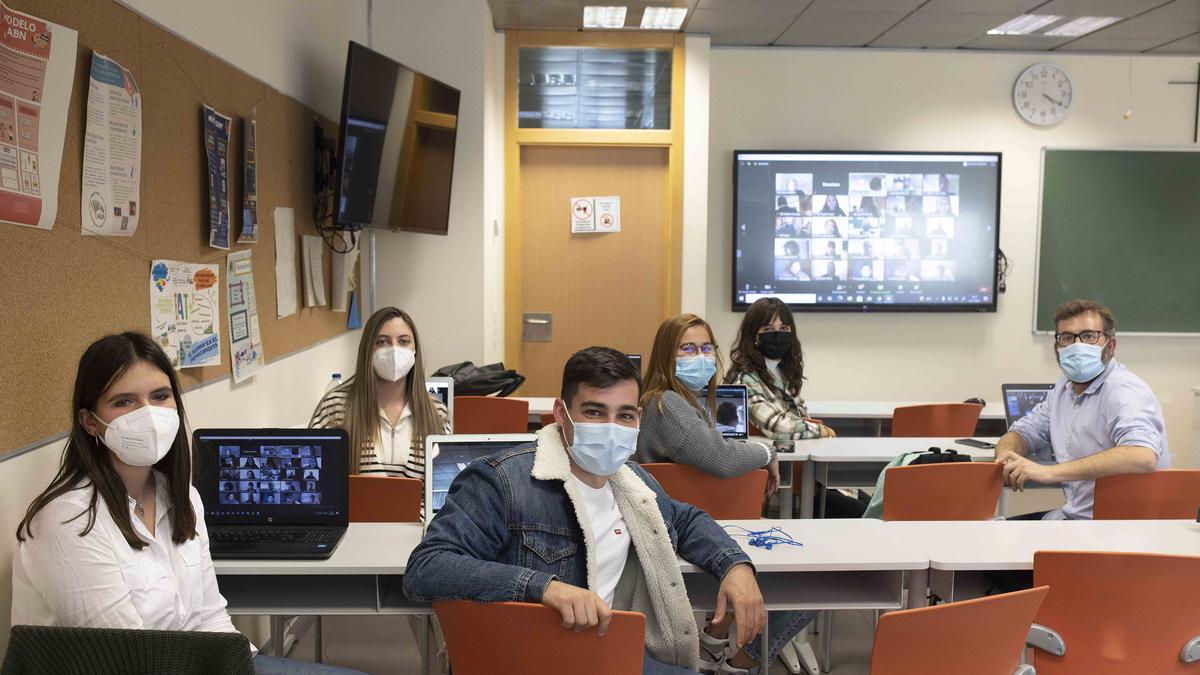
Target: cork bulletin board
<point>61,290</point>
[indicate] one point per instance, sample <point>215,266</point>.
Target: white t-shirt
<point>773,368</point>
<point>611,536</point>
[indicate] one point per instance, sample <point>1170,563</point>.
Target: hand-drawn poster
<point>249,233</point>
<point>110,198</point>
<point>216,145</point>
<point>37,68</point>
<point>184,312</point>
<point>245,338</point>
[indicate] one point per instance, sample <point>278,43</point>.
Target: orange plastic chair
<point>938,419</point>
<point>490,415</point>
<point>518,638</point>
<point>383,499</point>
<point>954,491</point>
<point>1118,613</point>
<point>1162,495</point>
<point>740,497</point>
<point>547,419</point>
<point>985,635</point>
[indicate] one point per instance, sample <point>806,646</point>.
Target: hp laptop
<point>1020,399</point>
<point>446,456</point>
<point>443,389</point>
<point>273,493</point>
<point>731,410</point>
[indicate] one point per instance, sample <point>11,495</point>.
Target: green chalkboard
<point>1122,227</point>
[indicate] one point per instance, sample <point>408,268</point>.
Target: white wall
<point>885,100</point>
<point>694,291</point>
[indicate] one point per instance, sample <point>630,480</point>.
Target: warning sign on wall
<point>595,214</point>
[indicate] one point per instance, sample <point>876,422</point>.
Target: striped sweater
<point>331,414</point>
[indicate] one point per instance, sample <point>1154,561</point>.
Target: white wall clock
<point>1042,94</point>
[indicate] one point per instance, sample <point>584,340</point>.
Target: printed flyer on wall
<point>184,305</point>
<point>112,151</point>
<point>216,145</point>
<point>37,67</point>
<point>249,233</point>
<point>245,338</point>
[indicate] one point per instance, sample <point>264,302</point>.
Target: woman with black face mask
<point>767,358</point>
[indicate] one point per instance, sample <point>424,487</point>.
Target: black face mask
<point>775,344</point>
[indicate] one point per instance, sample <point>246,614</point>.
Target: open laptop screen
<point>1020,399</point>
<point>447,456</point>
<point>442,388</point>
<point>260,476</point>
<point>731,410</point>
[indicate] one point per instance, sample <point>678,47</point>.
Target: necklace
<point>137,508</point>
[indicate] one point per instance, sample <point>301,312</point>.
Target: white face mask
<point>142,437</point>
<point>393,363</point>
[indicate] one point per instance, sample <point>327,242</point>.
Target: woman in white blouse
<point>118,539</point>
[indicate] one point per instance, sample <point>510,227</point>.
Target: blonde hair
<point>362,403</point>
<point>660,372</point>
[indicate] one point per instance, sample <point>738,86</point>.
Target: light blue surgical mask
<point>1081,362</point>
<point>695,371</point>
<point>601,448</point>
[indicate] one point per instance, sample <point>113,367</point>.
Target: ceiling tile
<point>903,6</point>
<point>1022,43</point>
<point>749,38</point>
<point>923,40</point>
<point>563,17</point>
<point>1074,8</point>
<point>950,22</point>
<point>1187,45</point>
<point>1010,7</point>
<point>837,28</point>
<point>793,6</point>
<point>719,21</point>
<point>1112,44</point>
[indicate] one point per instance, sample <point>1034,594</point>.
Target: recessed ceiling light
<point>663,18</point>
<point>595,16</point>
<point>1083,25</point>
<point>1024,24</point>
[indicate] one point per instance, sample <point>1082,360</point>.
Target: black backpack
<point>472,380</point>
<point>939,456</point>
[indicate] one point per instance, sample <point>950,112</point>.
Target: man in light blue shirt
<point>1099,420</point>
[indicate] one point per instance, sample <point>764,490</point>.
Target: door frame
<point>516,138</point>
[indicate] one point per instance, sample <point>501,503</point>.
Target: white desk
<point>959,546</point>
<point>850,410</point>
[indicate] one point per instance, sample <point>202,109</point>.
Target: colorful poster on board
<point>249,233</point>
<point>216,146</point>
<point>37,69</point>
<point>110,199</point>
<point>245,338</point>
<point>184,312</point>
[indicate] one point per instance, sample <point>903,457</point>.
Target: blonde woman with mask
<point>385,406</point>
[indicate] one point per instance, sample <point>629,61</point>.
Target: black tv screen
<point>866,231</point>
<point>396,146</point>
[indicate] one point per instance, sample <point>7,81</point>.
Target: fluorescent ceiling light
<point>1024,24</point>
<point>663,18</point>
<point>595,16</point>
<point>1083,25</point>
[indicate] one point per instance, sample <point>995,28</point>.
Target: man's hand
<point>1018,470</point>
<point>773,477</point>
<point>826,431</point>
<point>580,608</point>
<point>740,591</point>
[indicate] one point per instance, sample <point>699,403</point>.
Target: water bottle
<point>334,383</point>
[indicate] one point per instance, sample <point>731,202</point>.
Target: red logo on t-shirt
<point>617,531</point>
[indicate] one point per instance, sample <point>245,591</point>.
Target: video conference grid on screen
<point>269,474</point>
<point>883,231</point>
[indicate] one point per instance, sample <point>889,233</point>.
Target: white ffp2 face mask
<point>142,437</point>
<point>393,363</point>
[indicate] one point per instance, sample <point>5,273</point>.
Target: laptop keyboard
<point>273,536</point>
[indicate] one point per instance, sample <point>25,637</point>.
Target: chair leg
<point>318,640</point>
<point>827,647</point>
<point>277,635</point>
<point>791,660</point>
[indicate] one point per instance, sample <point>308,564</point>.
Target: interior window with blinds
<point>593,88</point>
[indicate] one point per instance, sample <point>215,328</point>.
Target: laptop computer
<point>443,389</point>
<point>731,410</point>
<point>446,456</point>
<point>273,493</point>
<point>1020,399</point>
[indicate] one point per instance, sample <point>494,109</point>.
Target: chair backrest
<point>383,499</point>
<point>938,419</point>
<point>951,491</point>
<point>546,419</point>
<point>1118,612</point>
<point>517,638</point>
<point>740,497</point>
<point>490,415</point>
<point>117,651</point>
<point>985,635</point>
<point>1161,495</point>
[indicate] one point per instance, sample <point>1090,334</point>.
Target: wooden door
<point>600,289</point>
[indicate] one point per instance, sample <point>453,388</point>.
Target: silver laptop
<point>1020,399</point>
<point>731,410</point>
<point>443,389</point>
<point>447,456</point>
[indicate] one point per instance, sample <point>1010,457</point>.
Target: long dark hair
<point>747,358</point>
<point>86,462</point>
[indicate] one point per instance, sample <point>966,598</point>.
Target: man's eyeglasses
<point>1087,337</point>
<point>692,349</point>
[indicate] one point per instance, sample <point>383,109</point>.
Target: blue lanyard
<point>765,538</point>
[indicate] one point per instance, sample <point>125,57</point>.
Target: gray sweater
<point>681,433</point>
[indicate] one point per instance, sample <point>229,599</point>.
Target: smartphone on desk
<point>976,443</point>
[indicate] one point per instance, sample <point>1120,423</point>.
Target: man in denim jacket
<point>533,524</point>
